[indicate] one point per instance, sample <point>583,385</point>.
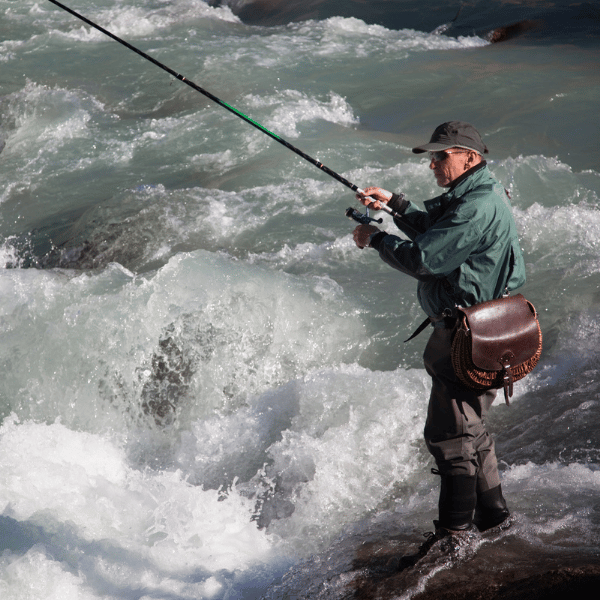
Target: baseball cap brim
<point>434,147</point>
<point>453,134</point>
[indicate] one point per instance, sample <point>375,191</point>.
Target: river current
<point>205,391</point>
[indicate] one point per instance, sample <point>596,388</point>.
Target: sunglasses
<point>443,154</point>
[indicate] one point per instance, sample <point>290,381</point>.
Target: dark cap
<point>451,135</point>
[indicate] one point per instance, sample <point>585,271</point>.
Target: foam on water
<point>571,489</point>
<point>334,457</point>
<point>50,114</point>
<point>143,529</point>
<point>138,21</point>
<point>297,108</point>
<point>200,313</point>
<point>151,528</point>
<point>74,501</point>
<point>338,36</point>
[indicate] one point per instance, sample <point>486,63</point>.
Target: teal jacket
<point>463,247</point>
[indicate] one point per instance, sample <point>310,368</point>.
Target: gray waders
<point>456,436</point>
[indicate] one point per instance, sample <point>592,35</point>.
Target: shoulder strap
<point>419,329</point>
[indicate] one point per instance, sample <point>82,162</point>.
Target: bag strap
<point>419,329</point>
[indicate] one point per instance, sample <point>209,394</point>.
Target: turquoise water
<point>204,380</point>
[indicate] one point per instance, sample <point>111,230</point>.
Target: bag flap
<point>502,331</point>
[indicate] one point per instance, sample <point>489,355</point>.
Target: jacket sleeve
<point>437,252</point>
<point>413,221</point>
<point>400,254</point>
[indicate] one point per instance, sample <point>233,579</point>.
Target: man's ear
<point>471,159</point>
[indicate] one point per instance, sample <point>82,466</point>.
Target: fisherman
<point>463,250</point>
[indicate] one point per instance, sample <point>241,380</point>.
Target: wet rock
<point>504,567</point>
<point>508,32</point>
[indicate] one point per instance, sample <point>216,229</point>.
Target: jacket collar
<point>461,178</point>
<point>460,186</point>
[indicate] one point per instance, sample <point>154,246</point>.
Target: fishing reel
<point>363,219</point>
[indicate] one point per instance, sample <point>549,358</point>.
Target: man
<point>463,250</point>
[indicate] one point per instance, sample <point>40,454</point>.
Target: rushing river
<point>205,391</point>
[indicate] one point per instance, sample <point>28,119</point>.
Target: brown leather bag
<point>496,343</point>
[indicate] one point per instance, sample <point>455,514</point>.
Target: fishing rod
<point>350,212</point>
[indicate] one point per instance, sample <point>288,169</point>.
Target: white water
<point>206,385</point>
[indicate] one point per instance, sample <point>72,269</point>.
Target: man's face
<point>450,164</point>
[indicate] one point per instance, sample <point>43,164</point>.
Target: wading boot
<point>454,531</point>
<point>491,509</point>
<point>458,498</point>
<point>443,545</point>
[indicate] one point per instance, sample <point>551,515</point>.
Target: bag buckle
<point>507,376</point>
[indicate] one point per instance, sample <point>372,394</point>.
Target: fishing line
<point>233,110</point>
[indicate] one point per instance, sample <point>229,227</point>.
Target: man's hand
<point>374,193</point>
<point>362,234</point>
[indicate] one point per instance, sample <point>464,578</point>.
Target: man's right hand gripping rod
<point>364,218</point>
